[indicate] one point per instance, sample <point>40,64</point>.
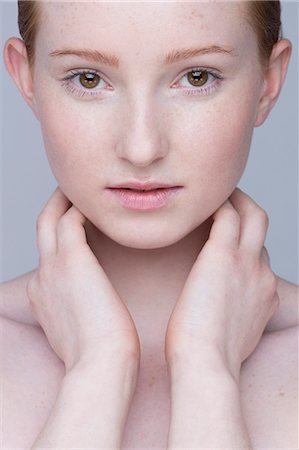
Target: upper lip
<point>149,185</point>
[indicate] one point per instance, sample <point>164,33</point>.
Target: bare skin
<point>43,375</point>
<point>210,276</point>
<point>32,375</point>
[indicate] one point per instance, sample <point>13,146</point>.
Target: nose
<point>141,140</point>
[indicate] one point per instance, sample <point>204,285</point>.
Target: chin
<point>145,241</point>
<point>140,238</point>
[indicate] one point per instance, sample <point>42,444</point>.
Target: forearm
<point>205,408</point>
<point>91,408</point>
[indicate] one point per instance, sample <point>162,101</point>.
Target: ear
<point>274,77</point>
<point>16,61</point>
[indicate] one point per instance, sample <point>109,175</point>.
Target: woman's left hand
<point>230,293</point>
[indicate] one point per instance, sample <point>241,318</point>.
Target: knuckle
<point>258,212</point>
<point>232,259</point>
<point>271,282</point>
<point>41,220</point>
<point>265,254</point>
<point>276,300</point>
<point>262,216</point>
<point>32,288</point>
<point>274,281</point>
<point>232,215</point>
<point>64,222</point>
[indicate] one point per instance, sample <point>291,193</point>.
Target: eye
<point>83,83</point>
<point>198,77</point>
<point>89,80</point>
<point>205,81</point>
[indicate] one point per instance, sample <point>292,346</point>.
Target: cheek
<point>229,142</point>
<point>219,143</point>
<point>74,141</point>
<point>216,146</point>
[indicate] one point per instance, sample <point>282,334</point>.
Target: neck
<point>148,281</point>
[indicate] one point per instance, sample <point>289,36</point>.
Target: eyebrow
<point>172,57</point>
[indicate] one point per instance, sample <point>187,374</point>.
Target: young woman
<point>154,319</point>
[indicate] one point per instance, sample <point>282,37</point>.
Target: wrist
<point>91,407</point>
<point>201,363</point>
<point>95,367</point>
<point>93,359</point>
<point>103,382</point>
<point>202,402</point>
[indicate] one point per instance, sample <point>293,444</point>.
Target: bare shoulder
<point>14,303</point>
<point>287,314</point>
<point>269,390</point>
<point>30,374</point>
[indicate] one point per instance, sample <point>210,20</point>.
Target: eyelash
<point>204,90</point>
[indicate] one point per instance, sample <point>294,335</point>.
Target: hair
<point>263,16</point>
<point>29,21</point>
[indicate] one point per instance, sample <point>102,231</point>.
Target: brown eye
<point>89,80</point>
<point>198,77</point>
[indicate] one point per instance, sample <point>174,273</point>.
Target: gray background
<point>271,176</point>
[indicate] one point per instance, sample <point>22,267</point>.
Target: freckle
<point>196,13</point>
<point>253,374</point>
<point>152,381</point>
<point>281,393</point>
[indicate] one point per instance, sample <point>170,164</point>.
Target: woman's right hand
<point>71,296</point>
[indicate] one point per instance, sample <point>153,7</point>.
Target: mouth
<point>145,199</point>
<point>142,190</point>
<point>143,186</point>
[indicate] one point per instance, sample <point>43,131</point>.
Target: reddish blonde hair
<point>263,16</point>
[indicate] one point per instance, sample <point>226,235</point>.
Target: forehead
<point>142,25</point>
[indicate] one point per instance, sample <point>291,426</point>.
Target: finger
<point>265,256</point>
<point>254,222</point>
<point>226,226</point>
<point>47,221</point>
<point>70,229</point>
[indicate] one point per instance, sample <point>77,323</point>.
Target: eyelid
<point>76,72</point>
<point>215,73</point>
<point>211,70</point>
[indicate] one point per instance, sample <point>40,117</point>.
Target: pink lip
<point>154,199</point>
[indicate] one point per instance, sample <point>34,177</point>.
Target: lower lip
<point>150,200</point>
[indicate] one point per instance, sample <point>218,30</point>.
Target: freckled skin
<point>200,142</point>
<point>144,128</point>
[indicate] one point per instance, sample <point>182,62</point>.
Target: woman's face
<point>144,118</point>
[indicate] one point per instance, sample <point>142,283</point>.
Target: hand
<point>70,294</point>
<point>230,293</point>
